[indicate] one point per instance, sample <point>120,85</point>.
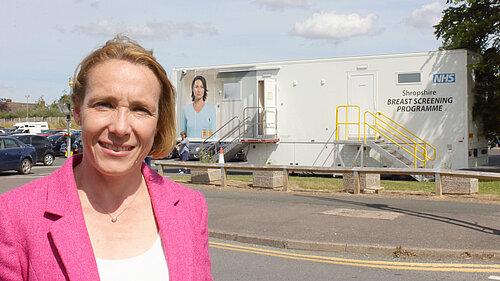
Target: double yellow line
<point>444,267</point>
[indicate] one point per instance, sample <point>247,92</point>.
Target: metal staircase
<point>229,142</point>
<point>396,146</point>
<point>398,141</point>
<point>385,150</point>
<point>254,127</point>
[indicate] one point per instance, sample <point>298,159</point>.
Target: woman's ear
<point>77,115</point>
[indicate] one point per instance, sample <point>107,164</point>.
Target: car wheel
<point>48,159</point>
<point>25,166</point>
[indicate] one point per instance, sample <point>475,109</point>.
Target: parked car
<point>76,146</point>
<point>15,155</point>
<point>44,151</point>
<point>48,133</point>
<point>58,139</point>
<point>54,138</point>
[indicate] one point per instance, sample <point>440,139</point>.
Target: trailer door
<point>270,107</point>
<point>361,93</point>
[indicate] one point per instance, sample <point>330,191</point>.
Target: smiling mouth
<point>116,148</point>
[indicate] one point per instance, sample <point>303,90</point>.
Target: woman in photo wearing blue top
<point>198,118</point>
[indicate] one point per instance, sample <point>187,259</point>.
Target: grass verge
<point>324,183</point>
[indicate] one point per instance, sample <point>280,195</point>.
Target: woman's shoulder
<point>210,106</point>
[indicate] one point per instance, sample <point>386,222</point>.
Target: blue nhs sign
<point>443,78</point>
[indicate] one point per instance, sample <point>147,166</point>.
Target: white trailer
<point>313,112</point>
<point>31,127</point>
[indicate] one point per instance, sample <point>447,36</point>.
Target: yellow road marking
<point>445,267</point>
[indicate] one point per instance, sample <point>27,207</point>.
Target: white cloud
<point>149,30</point>
<point>335,27</point>
<point>282,4</point>
<point>427,16</point>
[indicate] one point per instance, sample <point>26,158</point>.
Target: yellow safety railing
<point>390,129</point>
<point>399,135</point>
<point>347,123</point>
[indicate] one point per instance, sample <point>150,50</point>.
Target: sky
<point>42,42</point>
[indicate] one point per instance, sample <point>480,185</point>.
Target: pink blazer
<point>43,234</point>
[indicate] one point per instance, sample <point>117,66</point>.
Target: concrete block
<point>365,181</point>
<point>459,185</point>
<point>267,179</point>
<point>205,175</point>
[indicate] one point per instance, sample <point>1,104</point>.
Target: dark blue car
<point>15,155</point>
<point>44,151</point>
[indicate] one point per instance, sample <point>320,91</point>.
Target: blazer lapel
<point>68,232</point>
<point>173,223</point>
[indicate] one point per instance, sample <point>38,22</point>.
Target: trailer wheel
<point>25,167</point>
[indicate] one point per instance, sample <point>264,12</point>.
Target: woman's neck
<point>198,104</point>
<point>111,190</point>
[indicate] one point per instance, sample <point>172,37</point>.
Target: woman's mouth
<point>116,148</point>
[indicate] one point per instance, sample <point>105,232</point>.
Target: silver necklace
<point>114,218</point>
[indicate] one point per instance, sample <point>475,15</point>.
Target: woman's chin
<point>115,167</point>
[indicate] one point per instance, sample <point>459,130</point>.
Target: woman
<point>104,214</point>
<point>198,118</point>
<point>183,148</point>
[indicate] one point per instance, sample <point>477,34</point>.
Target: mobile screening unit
<point>398,110</point>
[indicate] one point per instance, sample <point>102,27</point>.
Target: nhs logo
<point>443,78</point>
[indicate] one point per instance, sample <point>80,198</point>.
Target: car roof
<point>12,138</point>
<point>20,135</point>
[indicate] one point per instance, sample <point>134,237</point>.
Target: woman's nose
<point>120,125</point>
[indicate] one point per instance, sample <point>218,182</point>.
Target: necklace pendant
<point>114,219</point>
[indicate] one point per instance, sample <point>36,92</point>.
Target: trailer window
<point>232,91</point>
<point>409,78</point>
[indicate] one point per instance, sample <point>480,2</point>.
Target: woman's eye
<point>102,105</point>
<point>142,110</point>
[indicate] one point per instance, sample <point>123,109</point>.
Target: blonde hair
<point>123,48</point>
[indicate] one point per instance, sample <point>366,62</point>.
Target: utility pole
<point>27,109</point>
<point>65,108</point>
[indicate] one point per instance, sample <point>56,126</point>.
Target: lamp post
<point>65,108</point>
<point>27,110</point>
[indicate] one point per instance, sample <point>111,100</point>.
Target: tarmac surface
<point>369,224</point>
<point>427,227</point>
<point>423,226</point>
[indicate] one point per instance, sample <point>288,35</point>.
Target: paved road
<point>239,261</point>
<point>353,223</point>
<point>12,179</point>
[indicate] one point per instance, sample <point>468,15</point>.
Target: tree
<point>475,25</point>
<point>66,98</point>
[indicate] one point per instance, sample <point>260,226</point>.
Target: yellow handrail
<point>391,130</point>
<point>417,147</point>
<point>376,128</point>
<point>415,136</point>
<point>346,123</point>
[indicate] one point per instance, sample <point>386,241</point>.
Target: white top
<point>150,266</point>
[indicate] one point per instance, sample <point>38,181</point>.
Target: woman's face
<point>198,90</point>
<point>118,115</point>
